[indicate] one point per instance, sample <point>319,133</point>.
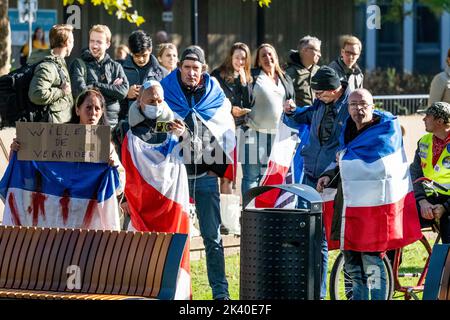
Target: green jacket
<point>301,77</point>
<point>45,88</point>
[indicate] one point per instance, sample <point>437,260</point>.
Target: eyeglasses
<point>350,53</point>
<point>317,51</point>
<point>363,105</point>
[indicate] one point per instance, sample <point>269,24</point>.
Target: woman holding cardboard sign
<point>65,194</point>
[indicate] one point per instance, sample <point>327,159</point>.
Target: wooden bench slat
<point>45,259</point>
<point>4,237</point>
<point>152,265</point>
<point>160,266</point>
<point>149,245</point>
<point>140,253</point>
<point>29,259</point>
<point>106,264</point>
<point>129,263</point>
<point>52,258</point>
<point>121,263</point>
<point>85,251</point>
<point>37,259</point>
<point>87,273</point>
<point>77,251</point>
<point>58,270</point>
<point>7,256</point>
<point>75,234</point>
<point>98,262</point>
<point>23,241</point>
<point>114,262</point>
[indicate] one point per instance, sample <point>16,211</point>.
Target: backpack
<point>15,104</point>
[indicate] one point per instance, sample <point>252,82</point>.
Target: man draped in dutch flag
<point>157,190</point>
<point>197,99</point>
<point>374,208</point>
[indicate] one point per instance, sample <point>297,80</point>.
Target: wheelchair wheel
<point>340,282</point>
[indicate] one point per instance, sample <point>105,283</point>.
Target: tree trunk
<point>5,39</point>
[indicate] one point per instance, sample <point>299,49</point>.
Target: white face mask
<point>152,111</point>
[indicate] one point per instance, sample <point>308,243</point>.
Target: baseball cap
<point>438,110</point>
<point>193,53</point>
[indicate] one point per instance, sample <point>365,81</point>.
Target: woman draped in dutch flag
<point>374,208</point>
<point>65,194</point>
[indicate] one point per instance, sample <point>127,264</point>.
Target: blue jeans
<point>205,192</point>
<point>368,276</point>
<point>256,152</point>
<point>323,246</point>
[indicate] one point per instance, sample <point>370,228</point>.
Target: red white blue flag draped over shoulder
<point>379,206</point>
<point>213,109</point>
<point>157,194</point>
<point>285,166</point>
<point>60,194</point>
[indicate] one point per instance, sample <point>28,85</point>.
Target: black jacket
<point>100,75</point>
<point>354,77</point>
<point>301,77</point>
<point>239,95</point>
<point>138,75</point>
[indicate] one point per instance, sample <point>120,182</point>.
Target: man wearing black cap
<point>326,117</point>
<point>432,161</point>
<point>198,99</point>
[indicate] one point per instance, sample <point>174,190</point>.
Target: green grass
<point>412,261</point>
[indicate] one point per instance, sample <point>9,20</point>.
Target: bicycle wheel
<point>340,281</point>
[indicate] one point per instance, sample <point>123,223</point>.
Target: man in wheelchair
<point>431,166</point>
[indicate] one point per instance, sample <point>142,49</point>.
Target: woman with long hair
<point>235,79</point>
<point>272,89</point>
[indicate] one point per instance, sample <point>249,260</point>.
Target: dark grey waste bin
<point>280,248</point>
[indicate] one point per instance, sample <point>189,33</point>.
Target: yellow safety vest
<point>441,171</point>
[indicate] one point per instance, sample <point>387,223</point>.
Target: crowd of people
<point>174,127</point>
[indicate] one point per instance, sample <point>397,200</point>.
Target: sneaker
<point>223,298</point>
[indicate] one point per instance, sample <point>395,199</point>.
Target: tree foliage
<point>118,7</point>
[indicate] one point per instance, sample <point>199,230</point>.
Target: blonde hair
<point>101,28</point>
<point>278,69</point>
<point>162,47</point>
<point>348,39</point>
<point>122,47</point>
<point>59,34</point>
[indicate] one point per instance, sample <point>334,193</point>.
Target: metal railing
<point>402,104</point>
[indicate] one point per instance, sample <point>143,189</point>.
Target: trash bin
<point>280,248</point>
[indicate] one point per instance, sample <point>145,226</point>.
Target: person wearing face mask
<point>144,113</point>
<point>156,188</point>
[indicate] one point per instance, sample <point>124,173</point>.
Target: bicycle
<point>340,282</point>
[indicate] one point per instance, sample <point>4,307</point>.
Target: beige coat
<point>440,87</point>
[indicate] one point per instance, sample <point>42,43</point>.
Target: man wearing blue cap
<point>326,117</point>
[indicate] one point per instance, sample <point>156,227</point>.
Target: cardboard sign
<point>63,142</point>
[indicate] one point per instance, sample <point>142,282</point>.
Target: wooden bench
<point>77,264</point>
<point>437,282</point>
